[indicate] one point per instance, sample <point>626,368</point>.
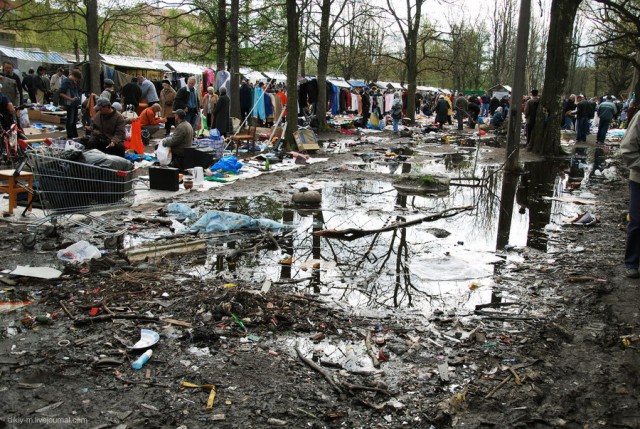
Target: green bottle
<point>266,165</point>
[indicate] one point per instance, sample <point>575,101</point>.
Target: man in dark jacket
<point>366,108</point>
<point>583,116</point>
<point>221,113</point>
<point>28,85</point>
<point>245,99</point>
<point>108,130</point>
<point>131,94</point>
<point>442,111</point>
<point>188,99</point>
<point>462,106</point>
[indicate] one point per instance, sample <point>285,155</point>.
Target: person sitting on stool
<point>181,139</point>
<point>109,129</point>
<point>149,122</point>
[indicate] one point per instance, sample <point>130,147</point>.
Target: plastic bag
<point>227,163</point>
<point>136,138</point>
<point>214,134</point>
<point>219,221</point>
<point>163,154</point>
<point>374,120</point>
<point>79,252</point>
<point>181,211</point>
<point>24,119</point>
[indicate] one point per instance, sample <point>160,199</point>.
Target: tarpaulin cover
<point>219,221</point>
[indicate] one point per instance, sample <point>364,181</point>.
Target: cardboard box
<point>306,140</point>
<point>50,117</point>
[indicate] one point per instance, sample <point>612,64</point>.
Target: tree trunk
<point>234,59</point>
<point>92,45</point>
<point>221,35</point>
<point>546,134</point>
<point>292,72</point>
<point>514,121</point>
<point>323,64</point>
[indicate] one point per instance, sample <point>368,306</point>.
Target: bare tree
<point>503,33</point>
<point>546,133</point>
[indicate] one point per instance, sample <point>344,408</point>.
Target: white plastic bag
<point>163,154</point>
<point>24,119</point>
<point>79,252</point>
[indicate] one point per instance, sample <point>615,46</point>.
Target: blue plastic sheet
<point>181,211</point>
<point>219,221</point>
<point>227,163</point>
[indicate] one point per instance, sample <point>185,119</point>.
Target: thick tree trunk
<point>92,46</point>
<point>323,64</point>
<point>221,35</point>
<point>234,59</point>
<point>514,122</point>
<point>546,134</point>
<point>292,72</point>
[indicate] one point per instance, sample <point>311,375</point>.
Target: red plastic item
<point>94,311</point>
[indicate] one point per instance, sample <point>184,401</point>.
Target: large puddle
<point>443,264</point>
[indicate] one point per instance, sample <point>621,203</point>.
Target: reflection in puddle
<point>427,266</point>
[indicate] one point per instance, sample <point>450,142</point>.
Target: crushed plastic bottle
<point>139,363</point>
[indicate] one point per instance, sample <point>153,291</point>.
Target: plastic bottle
<point>139,363</point>
<point>266,164</point>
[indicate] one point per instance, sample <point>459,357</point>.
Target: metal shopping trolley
<point>66,188</point>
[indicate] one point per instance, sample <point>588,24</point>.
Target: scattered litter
<point>211,387</point>
<point>79,252</point>
<point>148,338</point>
<point>37,272</point>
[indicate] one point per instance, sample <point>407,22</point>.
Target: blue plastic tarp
<point>219,221</point>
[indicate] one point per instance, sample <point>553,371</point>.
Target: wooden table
<point>13,187</point>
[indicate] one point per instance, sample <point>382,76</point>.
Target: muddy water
<point>449,263</point>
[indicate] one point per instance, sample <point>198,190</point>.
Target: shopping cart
<point>66,189</point>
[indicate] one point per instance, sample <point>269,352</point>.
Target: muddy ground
<point>558,347</point>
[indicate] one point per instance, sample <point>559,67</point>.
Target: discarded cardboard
<point>37,272</point>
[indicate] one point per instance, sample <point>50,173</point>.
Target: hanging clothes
<point>335,100</point>
<point>283,99</point>
<point>277,106</point>
<point>258,104</point>
<point>343,100</point>
<point>355,106</point>
<point>388,102</point>
<point>359,104</point>
<point>268,107</point>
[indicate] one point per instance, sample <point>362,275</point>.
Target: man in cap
<point>109,129</point>
<point>181,139</point>
<point>109,91</point>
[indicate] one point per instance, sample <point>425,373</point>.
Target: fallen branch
<point>372,355</point>
<point>109,317</point>
<point>66,310</point>
<point>319,370</point>
<point>160,221</point>
<point>350,386</point>
<point>354,233</point>
<point>496,304</point>
<point>499,386</point>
